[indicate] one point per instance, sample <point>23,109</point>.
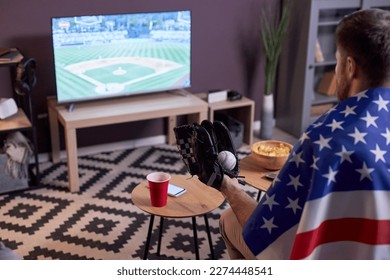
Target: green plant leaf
<point>272,39</point>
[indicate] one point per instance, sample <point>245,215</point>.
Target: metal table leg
<point>146,250</point>
<point>259,195</point>
<point>160,236</point>
<point>195,238</point>
<point>194,230</point>
<point>206,221</point>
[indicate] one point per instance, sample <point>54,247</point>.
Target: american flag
<point>331,200</point>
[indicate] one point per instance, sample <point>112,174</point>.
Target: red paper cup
<point>158,187</point>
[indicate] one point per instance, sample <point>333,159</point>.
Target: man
<point>331,200</point>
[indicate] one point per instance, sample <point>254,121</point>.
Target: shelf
<point>329,59</point>
<point>320,99</point>
<point>299,75</point>
<point>328,22</point>
<point>312,22</point>
<point>331,17</point>
<point>19,121</point>
<point>13,57</point>
<point>318,110</point>
<point>324,63</point>
<point>242,110</point>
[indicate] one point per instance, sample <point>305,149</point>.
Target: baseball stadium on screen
<point>104,56</point>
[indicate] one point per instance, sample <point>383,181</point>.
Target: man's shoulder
<point>363,104</point>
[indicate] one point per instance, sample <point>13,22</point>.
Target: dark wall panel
<point>226,50</point>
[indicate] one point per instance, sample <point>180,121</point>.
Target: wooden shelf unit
<point>22,121</point>
<point>242,110</point>
<point>299,73</point>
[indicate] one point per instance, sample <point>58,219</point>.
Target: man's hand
<point>199,146</point>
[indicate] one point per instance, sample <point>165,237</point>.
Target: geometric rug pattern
<point>100,222</point>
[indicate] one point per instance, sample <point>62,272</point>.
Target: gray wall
<point>226,51</point>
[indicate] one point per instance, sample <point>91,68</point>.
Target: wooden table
<point>242,110</point>
<point>255,174</point>
<point>198,200</point>
<point>119,110</point>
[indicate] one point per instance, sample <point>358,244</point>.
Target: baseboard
<point>109,147</point>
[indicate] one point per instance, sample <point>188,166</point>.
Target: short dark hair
<point>365,36</point>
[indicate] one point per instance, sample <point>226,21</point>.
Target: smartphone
<point>270,176</point>
<point>175,191</point>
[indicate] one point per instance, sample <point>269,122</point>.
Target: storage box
<point>235,127</point>
<point>217,96</point>
<point>327,84</point>
<point>7,182</point>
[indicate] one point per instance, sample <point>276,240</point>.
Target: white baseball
<point>227,160</point>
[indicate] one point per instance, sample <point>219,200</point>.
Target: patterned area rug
<point>100,221</point>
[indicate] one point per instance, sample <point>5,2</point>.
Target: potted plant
<point>272,34</point>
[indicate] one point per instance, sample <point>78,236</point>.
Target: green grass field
<point>72,85</point>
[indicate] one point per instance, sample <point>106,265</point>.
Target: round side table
<point>197,201</point>
<point>254,175</point>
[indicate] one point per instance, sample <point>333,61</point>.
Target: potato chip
<point>281,150</point>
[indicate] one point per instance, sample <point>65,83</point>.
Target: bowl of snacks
<point>271,154</point>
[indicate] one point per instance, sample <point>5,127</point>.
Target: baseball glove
<point>199,145</point>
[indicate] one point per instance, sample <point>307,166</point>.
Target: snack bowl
<point>271,154</point>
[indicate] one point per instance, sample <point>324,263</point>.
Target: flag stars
<point>269,224</point>
<point>270,201</point>
<point>323,142</point>
<point>294,181</point>
<point>335,125</point>
<point>349,111</point>
<point>331,110</point>
<point>370,120</point>
<point>387,136</point>
<point>358,136</point>
<point>344,154</point>
<point>361,95</point>
<point>297,158</point>
<point>304,137</point>
<point>276,180</point>
<point>293,204</point>
<point>317,124</point>
<point>379,154</point>
<point>382,104</point>
<point>331,176</point>
<point>365,172</point>
<point>314,165</point>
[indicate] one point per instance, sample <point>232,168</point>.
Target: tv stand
<point>181,92</point>
<point>112,111</point>
<point>70,107</point>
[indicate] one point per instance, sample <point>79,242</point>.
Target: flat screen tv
<point>103,56</point>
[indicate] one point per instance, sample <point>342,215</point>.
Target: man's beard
<point>343,86</point>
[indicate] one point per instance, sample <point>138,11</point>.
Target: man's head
<point>363,51</point>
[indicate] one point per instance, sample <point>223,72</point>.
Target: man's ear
<point>351,67</point>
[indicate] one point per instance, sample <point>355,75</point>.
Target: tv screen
<point>103,56</point>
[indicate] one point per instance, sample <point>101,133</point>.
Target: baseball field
<point>87,72</point>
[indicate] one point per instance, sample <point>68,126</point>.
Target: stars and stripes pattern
<point>331,200</point>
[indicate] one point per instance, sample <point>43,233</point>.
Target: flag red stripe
<point>373,232</point>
